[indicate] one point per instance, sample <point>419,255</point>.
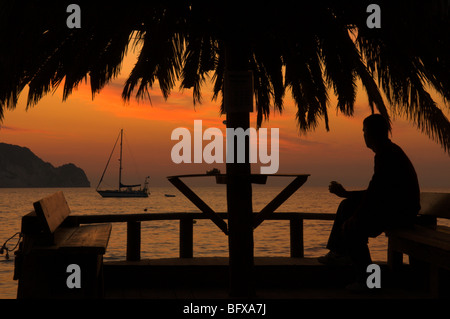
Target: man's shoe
<point>334,259</point>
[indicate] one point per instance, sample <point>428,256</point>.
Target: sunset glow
<point>82,130</point>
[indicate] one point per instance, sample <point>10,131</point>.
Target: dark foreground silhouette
<point>391,200</point>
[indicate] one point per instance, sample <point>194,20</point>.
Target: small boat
<point>169,195</point>
<point>123,190</point>
<point>214,171</point>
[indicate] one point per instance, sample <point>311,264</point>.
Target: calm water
<point>160,238</point>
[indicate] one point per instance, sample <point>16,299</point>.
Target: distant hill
<point>20,167</point>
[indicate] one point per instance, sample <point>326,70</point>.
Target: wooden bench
<point>51,244</point>
<point>426,241</point>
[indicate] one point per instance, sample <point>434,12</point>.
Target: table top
<point>200,175</point>
<point>222,178</point>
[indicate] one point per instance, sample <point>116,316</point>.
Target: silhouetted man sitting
<point>391,200</point>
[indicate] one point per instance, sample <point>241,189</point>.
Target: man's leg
<point>336,241</point>
<point>366,225</point>
<point>338,254</point>
<point>357,247</point>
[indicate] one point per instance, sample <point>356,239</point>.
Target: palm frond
<point>269,86</point>
<point>159,59</point>
<point>305,79</point>
<point>406,60</point>
<point>262,90</point>
<point>199,59</point>
<point>337,54</point>
<point>185,42</point>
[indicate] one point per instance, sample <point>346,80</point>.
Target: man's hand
<point>338,189</point>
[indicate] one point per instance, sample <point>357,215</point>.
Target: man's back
<point>394,187</point>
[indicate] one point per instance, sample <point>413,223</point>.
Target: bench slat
<point>443,229</point>
<point>435,204</point>
<point>420,250</point>
<point>52,211</point>
<point>87,239</point>
<point>424,235</point>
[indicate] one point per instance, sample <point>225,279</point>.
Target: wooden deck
<point>276,278</point>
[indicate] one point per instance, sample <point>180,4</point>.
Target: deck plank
<point>283,278</point>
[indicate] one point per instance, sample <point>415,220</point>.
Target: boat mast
<point>107,163</point>
<point>120,159</point>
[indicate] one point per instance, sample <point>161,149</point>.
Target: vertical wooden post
<point>238,100</point>
<point>186,238</point>
<point>133,241</point>
<point>296,236</point>
<point>434,281</point>
<point>394,258</point>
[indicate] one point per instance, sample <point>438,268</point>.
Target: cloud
<point>15,129</point>
<point>178,107</point>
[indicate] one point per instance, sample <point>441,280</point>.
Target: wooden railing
<point>186,230</point>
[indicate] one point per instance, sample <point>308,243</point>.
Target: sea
<point>160,238</point>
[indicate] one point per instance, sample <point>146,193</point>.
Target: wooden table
<point>299,180</point>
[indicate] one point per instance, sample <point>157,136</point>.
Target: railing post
<point>296,236</point>
<point>186,238</point>
<point>133,241</point>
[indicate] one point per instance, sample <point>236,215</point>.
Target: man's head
<point>376,130</point>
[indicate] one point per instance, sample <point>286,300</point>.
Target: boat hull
<point>116,193</point>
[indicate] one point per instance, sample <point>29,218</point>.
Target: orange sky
<point>82,131</point>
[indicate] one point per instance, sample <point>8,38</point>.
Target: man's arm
<point>339,190</point>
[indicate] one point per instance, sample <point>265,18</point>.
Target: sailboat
<point>123,190</point>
